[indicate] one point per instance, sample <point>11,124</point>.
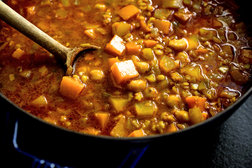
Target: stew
<point>164,64</point>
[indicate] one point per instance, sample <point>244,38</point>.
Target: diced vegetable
<point>195,115</point>
<point>176,77</point>
<point>173,101</point>
<point>165,116</point>
<point>70,87</point>
<point>144,26</point>
<point>40,101</point>
<point>182,16</point>
<point>118,103</point>
<point>133,48</point>
<point>150,43</point>
<point>102,118</point>
<point>183,57</point>
<point>228,94</point>
<point>137,85</point>
<point>97,75</point>
<point>196,101</point>
<point>137,133</point>
<point>163,25</point>
<point>142,67</point>
<point>120,129</point>
<point>150,92</point>
<point>101,7</point>
<point>167,64</point>
<point>172,128</point>
<point>115,46</point>
<point>124,71</point>
<point>31,10</point>
<point>151,78</point>
<point>18,53</point>
<point>90,33</point>
<point>238,75</point>
<point>121,28</point>
<point>146,108</point>
<point>193,42</point>
<point>180,44</point>
<point>111,61</point>
<point>148,54</point>
<point>182,115</point>
<point>26,74</point>
<point>128,12</point>
<point>194,71</point>
<point>172,4</point>
<point>162,13</point>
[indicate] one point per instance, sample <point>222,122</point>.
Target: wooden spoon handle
<point>28,29</point>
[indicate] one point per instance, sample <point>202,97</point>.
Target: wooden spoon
<point>62,53</point>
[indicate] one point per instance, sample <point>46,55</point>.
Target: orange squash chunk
<point>102,118</point>
<point>150,43</point>
<point>115,46</point>
<point>196,101</point>
<point>163,25</point>
<point>111,61</point>
<point>137,133</point>
<point>172,128</point>
<point>70,87</point>
<point>123,71</point>
<point>128,12</point>
<point>133,48</point>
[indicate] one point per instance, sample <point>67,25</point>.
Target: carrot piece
<point>90,33</point>
<point>150,43</point>
<point>163,25</point>
<point>133,48</point>
<point>102,118</point>
<point>70,87</point>
<point>128,12</point>
<point>18,53</point>
<point>137,133</point>
<point>172,128</point>
<point>115,46</point>
<point>124,71</point>
<point>111,61</point>
<point>196,101</point>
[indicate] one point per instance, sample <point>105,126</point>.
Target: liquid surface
<point>164,65</point>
